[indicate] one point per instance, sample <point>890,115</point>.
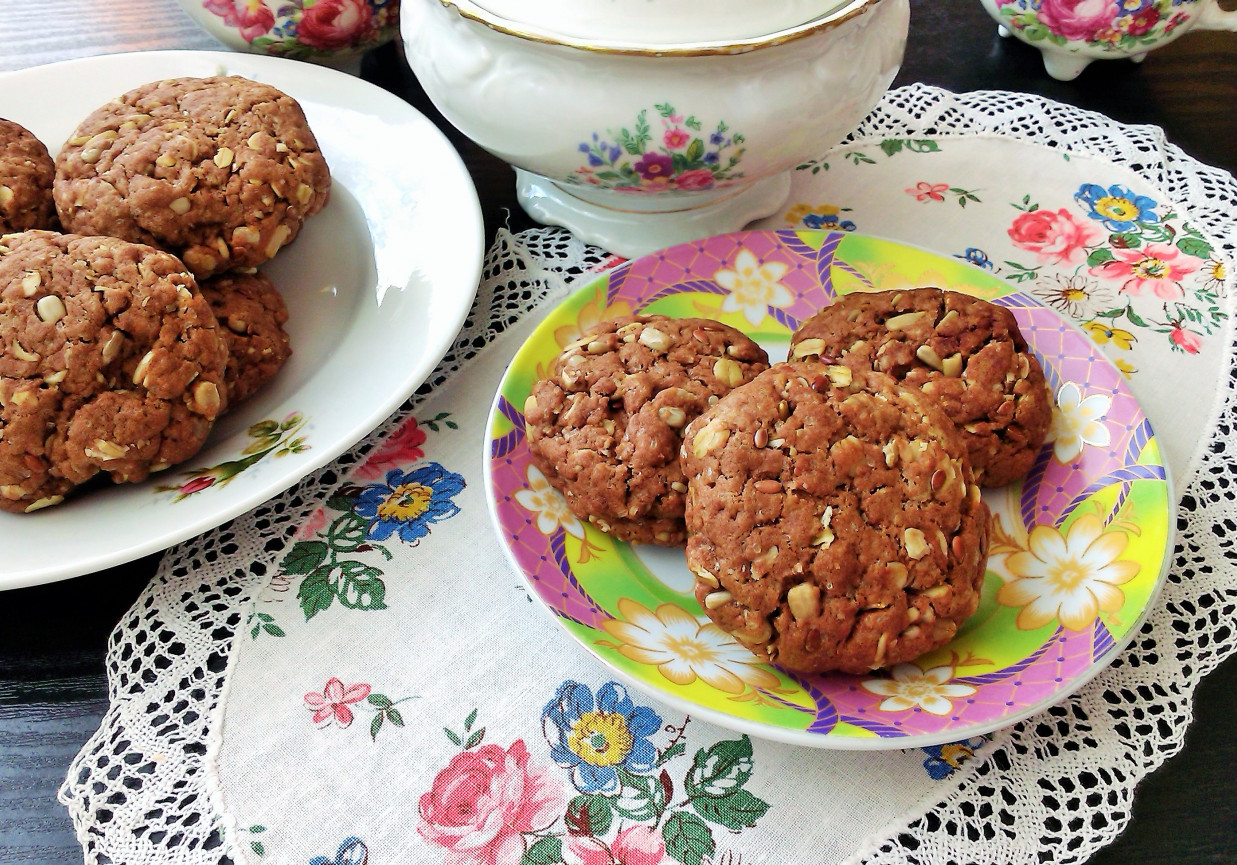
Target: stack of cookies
<point>132,313</point>
<point>831,503</point>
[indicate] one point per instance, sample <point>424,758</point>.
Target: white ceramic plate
<point>377,285</point>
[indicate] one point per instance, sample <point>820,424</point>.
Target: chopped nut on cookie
<point>824,531</point>
<point>605,426</point>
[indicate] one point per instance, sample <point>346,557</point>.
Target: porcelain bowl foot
<point>1064,66</point>
<point>632,232</point>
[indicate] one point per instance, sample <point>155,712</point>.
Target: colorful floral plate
<point>1079,550</point>
<point>377,286</point>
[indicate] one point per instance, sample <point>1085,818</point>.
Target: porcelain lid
<point>661,22</point>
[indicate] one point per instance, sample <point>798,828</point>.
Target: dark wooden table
<point>53,690</point>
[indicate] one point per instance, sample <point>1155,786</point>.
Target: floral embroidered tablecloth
<point>395,695</point>
<point>374,683</point>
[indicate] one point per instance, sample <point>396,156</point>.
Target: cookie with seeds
<point>221,171</point>
<point>26,174</point>
<point>251,314</point>
<point>966,353</point>
<point>110,362</point>
<point>606,424</point>
<point>832,518</point>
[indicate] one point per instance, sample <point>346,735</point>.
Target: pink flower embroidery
<point>482,802</point>
<point>1078,19</point>
<point>403,447</point>
<point>329,24</point>
<point>695,179</point>
<point>636,845</point>
<point>250,17</point>
<point>1054,237</point>
<point>332,703</point>
<point>1155,266</point>
<point>924,190</point>
<point>312,526</point>
<point>1186,340</point>
<point>675,138</point>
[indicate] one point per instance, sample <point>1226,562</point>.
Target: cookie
<point>109,362</point>
<point>220,171</point>
<point>251,315</point>
<point>26,173</point>
<point>965,352</point>
<point>832,520</point>
<point>606,425</point>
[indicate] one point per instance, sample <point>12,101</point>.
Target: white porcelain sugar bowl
<point>643,123</point>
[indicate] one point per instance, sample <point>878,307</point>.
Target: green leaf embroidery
<point>316,593</point>
<point>642,798</point>
<point>1195,246</point>
<point>375,725</point>
<point>688,838</point>
<point>257,847</point>
<point>347,532</point>
<point>892,146</point>
<point>303,557</point>
<point>547,851</point>
<point>721,769</point>
<point>382,701</point>
<point>396,718</point>
<point>1098,257</point>
<point>361,587</point>
<point>734,811</point>
<point>589,815</point>
<point>273,630</point>
<point>673,751</point>
<point>475,739</point>
<point>455,740</point>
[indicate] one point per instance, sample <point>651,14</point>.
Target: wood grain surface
<point>53,638</point>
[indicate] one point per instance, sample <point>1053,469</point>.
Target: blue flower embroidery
<point>977,257</point>
<point>944,760</point>
<point>351,852</point>
<point>818,221</point>
<point>409,502</point>
<point>596,740</point>
<point>1118,208</point>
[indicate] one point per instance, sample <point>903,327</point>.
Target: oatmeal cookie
<point>109,362</point>
<point>606,425</point>
<point>832,520</point>
<point>26,173</point>
<point>964,352</point>
<point>220,171</point>
<point>251,314</point>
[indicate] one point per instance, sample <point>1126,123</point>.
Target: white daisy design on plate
<point>683,649</point>
<point>754,287</point>
<point>1078,422</point>
<point>911,687</point>
<point>1070,577</point>
<point>549,505</point>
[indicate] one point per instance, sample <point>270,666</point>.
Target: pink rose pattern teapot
<point>1072,33</point>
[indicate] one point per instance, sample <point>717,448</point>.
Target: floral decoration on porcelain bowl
<point>299,29</point>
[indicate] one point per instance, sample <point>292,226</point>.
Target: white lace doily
<point>138,790</point>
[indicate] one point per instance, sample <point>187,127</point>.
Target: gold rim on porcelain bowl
<point>475,12</point>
